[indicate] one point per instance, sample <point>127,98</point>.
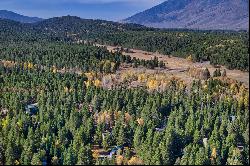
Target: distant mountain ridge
<point>196,14</point>
<point>5,14</point>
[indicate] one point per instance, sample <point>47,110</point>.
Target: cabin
<point>115,150</point>
<point>31,109</point>
<point>4,112</point>
<point>240,147</point>
<point>102,155</point>
<point>160,129</point>
<point>205,142</point>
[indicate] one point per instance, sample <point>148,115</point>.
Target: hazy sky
<point>98,9</point>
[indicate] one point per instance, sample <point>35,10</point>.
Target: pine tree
<point>2,157</point>
<point>26,156</point>
<point>201,158</point>
<point>138,138</point>
<point>105,141</point>
<point>206,74</point>
<point>121,136</point>
<point>69,157</point>
<point>224,73</point>
<point>10,154</point>
<point>36,159</point>
<point>84,156</point>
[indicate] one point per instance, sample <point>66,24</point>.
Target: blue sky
<point>97,9</point>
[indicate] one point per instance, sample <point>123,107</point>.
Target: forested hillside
<point>5,14</point>
<point>64,101</point>
<point>218,47</point>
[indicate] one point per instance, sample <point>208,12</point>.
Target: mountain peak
<point>193,14</point>
<point>5,14</point>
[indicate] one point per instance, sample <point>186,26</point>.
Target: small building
<point>240,147</point>
<point>160,129</point>
<point>4,112</point>
<point>205,142</point>
<point>115,150</point>
<point>31,109</point>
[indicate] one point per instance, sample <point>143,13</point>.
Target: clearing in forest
<point>178,66</point>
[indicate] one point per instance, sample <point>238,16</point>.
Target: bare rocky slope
<point>196,14</point>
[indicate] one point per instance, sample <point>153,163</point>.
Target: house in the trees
<point>160,129</point>
<point>240,147</point>
<point>115,150</point>
<point>31,109</point>
<point>205,142</point>
<point>4,112</point>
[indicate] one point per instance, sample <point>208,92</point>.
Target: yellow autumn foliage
<point>127,117</point>
<point>152,84</point>
<point>8,63</point>
<point>17,162</point>
<point>140,121</point>
<point>190,58</point>
<point>87,83</point>
<point>54,69</point>
<point>141,77</point>
<point>97,83</point>
<point>135,161</point>
<point>25,65</point>
<point>181,84</point>
<point>30,65</point>
<point>55,160</point>
<point>233,88</point>
<point>66,89</point>
<point>214,153</point>
<point>117,114</point>
<point>205,87</point>
<point>57,143</point>
<point>90,75</point>
<point>5,122</point>
<point>119,160</point>
<point>95,154</point>
<point>103,117</point>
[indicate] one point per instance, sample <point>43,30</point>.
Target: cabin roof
<point>31,108</point>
